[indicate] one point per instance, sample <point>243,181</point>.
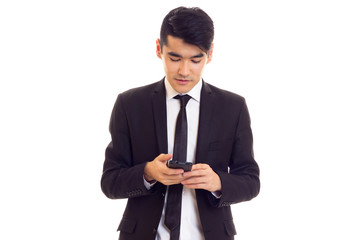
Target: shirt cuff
<point>149,185</point>
<point>217,194</point>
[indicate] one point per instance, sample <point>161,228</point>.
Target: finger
<point>174,177</point>
<point>195,180</point>
<point>200,166</point>
<point>171,171</point>
<point>195,173</point>
<point>199,183</point>
<point>196,186</point>
<point>173,174</point>
<point>170,180</point>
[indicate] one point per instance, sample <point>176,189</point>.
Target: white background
<point>62,64</point>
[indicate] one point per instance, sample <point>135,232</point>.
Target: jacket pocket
<point>127,225</point>
<point>230,227</point>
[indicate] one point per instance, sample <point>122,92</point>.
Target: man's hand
<point>202,176</point>
<point>157,170</point>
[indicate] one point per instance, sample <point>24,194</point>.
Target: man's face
<point>183,63</point>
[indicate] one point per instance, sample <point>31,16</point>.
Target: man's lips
<point>182,81</point>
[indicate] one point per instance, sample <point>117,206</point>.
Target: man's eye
<point>194,61</point>
<point>175,60</point>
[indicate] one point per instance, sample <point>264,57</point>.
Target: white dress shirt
<point>190,226</point>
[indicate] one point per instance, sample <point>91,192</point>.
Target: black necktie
<point>173,207</point>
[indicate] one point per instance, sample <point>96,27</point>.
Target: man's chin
<point>183,88</point>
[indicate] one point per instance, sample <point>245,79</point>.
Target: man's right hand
<point>157,170</point>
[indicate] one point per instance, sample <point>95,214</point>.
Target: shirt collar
<point>194,93</point>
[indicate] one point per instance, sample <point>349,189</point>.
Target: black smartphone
<point>179,165</point>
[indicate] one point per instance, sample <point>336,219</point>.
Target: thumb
<point>164,157</point>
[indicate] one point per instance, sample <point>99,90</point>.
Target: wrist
<point>218,184</point>
<point>148,177</point>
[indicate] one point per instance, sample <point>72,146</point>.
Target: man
<point>219,143</point>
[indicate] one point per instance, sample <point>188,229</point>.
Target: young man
<point>218,143</point>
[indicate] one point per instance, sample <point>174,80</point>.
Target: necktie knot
<point>184,99</point>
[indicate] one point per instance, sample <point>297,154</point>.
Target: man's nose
<point>184,68</point>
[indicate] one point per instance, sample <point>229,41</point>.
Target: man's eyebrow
<point>198,56</point>
<point>179,56</point>
<point>174,54</point>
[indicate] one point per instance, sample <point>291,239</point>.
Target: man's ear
<point>210,55</point>
<point>158,48</point>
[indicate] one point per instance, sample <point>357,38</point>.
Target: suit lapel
<point>159,111</point>
<point>206,113</point>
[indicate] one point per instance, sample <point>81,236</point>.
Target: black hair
<point>192,25</point>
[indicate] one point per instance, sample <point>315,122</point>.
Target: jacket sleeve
<point>121,178</point>
<point>241,182</point>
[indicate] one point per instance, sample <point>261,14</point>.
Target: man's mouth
<point>182,81</point>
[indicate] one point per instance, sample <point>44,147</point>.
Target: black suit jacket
<point>138,128</point>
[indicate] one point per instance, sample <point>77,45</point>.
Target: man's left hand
<point>202,176</point>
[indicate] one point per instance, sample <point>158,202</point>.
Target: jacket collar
<point>205,117</point>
